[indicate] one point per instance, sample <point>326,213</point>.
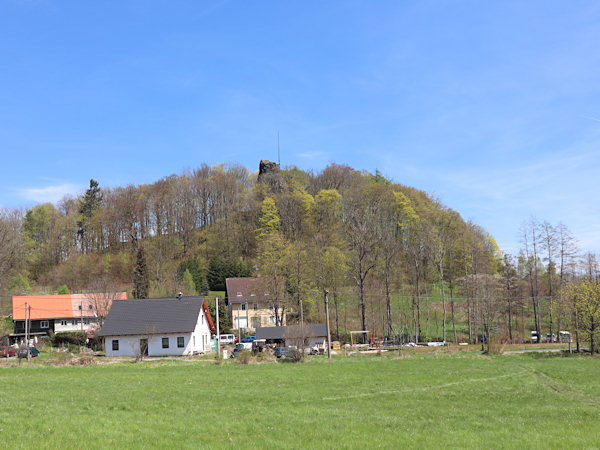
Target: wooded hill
<point>394,259</point>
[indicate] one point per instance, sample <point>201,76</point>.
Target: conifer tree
<point>141,282</point>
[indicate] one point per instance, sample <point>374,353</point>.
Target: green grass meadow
<point>419,401</point>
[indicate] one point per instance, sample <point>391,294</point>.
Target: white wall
<point>70,327</point>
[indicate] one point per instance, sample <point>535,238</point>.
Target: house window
<point>79,307</point>
<point>165,342</point>
<point>266,293</point>
<point>115,345</point>
<point>239,294</point>
<point>63,323</point>
<point>255,306</point>
<point>252,295</point>
<point>75,322</point>
<point>44,324</point>
<point>180,341</point>
<point>271,319</point>
<point>91,306</point>
<point>86,321</point>
<point>243,306</point>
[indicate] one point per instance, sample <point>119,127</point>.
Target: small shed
<point>313,335</point>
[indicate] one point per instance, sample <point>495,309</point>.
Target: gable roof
<point>292,331</point>
<point>247,289</point>
<point>63,306</point>
<point>152,316</point>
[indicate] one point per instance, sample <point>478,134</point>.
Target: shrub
<point>244,357</point>
<point>496,348</point>
<point>69,338</point>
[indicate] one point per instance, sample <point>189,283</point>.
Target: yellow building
<point>251,305</point>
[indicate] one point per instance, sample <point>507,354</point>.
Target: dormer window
<point>266,293</point>
<point>239,294</point>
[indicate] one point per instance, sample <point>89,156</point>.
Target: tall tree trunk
<point>443,301</point>
<point>337,317</point>
<point>388,299</point>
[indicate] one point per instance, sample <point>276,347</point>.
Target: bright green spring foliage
<point>63,290</point>
<point>586,297</point>
<point>269,220</point>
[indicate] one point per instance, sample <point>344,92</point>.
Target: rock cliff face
<point>270,174</point>
<point>267,167</point>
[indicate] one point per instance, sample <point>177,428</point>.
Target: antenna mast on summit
<point>278,155</point>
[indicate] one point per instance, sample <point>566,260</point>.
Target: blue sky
<point>494,107</point>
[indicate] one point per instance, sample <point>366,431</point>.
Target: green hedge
<point>69,337</point>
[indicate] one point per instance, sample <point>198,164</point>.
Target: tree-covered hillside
<point>394,259</point>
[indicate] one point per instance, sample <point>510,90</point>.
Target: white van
<point>227,339</point>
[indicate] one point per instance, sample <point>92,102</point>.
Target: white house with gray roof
<point>158,327</point>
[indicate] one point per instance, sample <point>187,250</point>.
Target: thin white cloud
<point>52,193</point>
<point>591,118</point>
<point>311,155</point>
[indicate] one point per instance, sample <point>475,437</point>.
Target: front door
<point>144,347</point>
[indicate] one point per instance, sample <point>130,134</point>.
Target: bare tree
<point>549,244</point>
<point>11,244</point>
<point>360,213</point>
<point>104,292</point>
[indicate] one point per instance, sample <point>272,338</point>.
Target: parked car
<point>249,339</point>
<point>565,336</point>
<point>284,352</point>
<point>32,351</point>
<point>550,338</point>
<point>6,352</point>
<point>227,339</point>
<point>239,348</point>
<point>534,337</point>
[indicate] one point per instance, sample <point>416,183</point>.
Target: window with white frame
<point>255,306</point>
<point>63,323</point>
<point>271,319</point>
<point>243,306</point>
<point>44,324</point>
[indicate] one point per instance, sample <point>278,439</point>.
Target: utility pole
<point>27,310</point>
<point>327,323</point>
<point>218,334</point>
<point>238,324</point>
<point>302,325</point>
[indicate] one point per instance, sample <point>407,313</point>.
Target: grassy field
<point>423,400</point>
